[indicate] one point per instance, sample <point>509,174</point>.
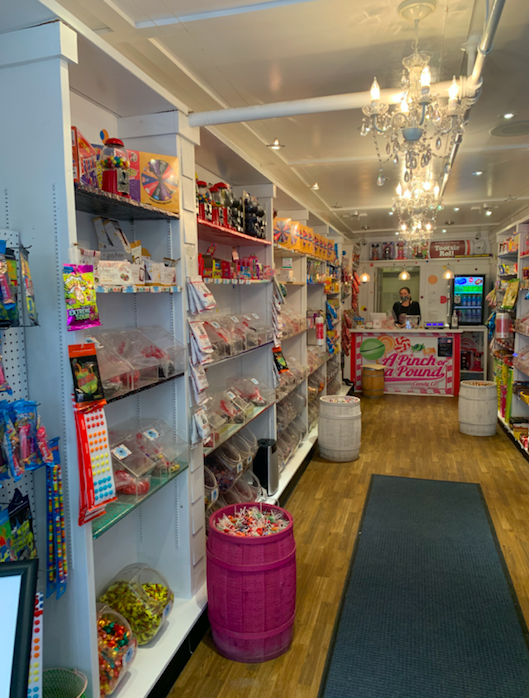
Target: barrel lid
<point>479,384</point>
<point>376,367</point>
<point>343,399</point>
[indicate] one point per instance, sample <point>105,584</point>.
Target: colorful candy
<point>252,522</point>
<point>117,648</point>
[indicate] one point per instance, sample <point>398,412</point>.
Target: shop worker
<point>405,306</point>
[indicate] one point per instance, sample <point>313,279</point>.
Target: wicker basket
<point>63,683</point>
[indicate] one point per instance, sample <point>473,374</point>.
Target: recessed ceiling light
<point>509,115</point>
<point>456,208</point>
<point>397,233</point>
<point>315,186</point>
<point>391,213</point>
<point>444,230</point>
<point>275,145</point>
<point>488,212</point>
<point>478,173</point>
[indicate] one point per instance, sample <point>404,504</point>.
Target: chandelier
<point>422,127</point>
<point>417,205</point>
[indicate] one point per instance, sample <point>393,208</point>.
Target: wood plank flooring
<point>403,436</point>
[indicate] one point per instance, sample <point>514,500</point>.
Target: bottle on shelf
<point>455,321</point>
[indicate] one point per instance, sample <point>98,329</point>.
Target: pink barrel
<point>251,590</point>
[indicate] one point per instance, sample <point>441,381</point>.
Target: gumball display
<point>115,165</point>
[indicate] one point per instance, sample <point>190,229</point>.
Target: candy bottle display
<point>204,201</point>
<point>116,646</point>
<point>143,597</point>
<point>115,165</point>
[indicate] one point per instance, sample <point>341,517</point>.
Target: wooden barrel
<point>339,428</point>
<point>251,590</point>
<point>478,408</point>
<point>372,381</point>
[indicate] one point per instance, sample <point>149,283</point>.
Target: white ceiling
<point>298,49</point>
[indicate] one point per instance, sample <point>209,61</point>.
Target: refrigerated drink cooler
<point>468,299</point>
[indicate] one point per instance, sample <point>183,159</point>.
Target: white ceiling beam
<point>456,202</point>
<point>215,14</point>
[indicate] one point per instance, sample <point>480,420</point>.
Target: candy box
<point>156,439</point>
<point>112,240</point>
<point>295,236</point>
<point>171,354</point>
<point>142,596</point>
<point>117,375</point>
<point>159,181</point>
<point>84,160</point>
<point>132,467</point>
<point>153,273</point>
<point>282,231</point>
<point>134,347</point>
<point>310,241</point>
<point>114,273</point>
<point>117,647</point>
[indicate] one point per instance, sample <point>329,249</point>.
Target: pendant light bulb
<point>399,190</point>
<point>426,77</point>
<point>404,275</point>
<point>364,278</point>
<point>404,105</point>
<point>275,145</point>
<point>375,91</point>
<point>426,186</point>
<point>407,194</point>
<point>453,92</point>
<point>448,274</point>
<point>403,227</point>
<point>436,191</point>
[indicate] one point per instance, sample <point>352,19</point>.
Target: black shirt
<point>412,309</point>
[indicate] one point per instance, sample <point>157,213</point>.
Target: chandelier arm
<point>379,130</point>
<point>423,115</point>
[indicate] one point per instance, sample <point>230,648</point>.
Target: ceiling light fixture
<point>509,115</point>
<point>404,275</point>
<point>444,230</point>
<point>391,213</point>
<point>417,204</point>
<point>364,277</point>
<point>424,125</point>
<point>275,145</point>
<point>315,186</point>
<point>456,208</point>
<point>478,173</point>
<point>448,274</point>
<point>488,212</point>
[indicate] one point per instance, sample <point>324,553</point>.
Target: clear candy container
<point>239,443</point>
<point>230,455</point>
<point>115,164</point>
<point>264,332</point>
<point>117,375</point>
<point>252,390</point>
<point>250,439</point>
<point>243,490</point>
<point>226,473</point>
<point>211,488</point>
<point>132,467</point>
<point>234,338</point>
<point>143,597</point>
<point>253,483</point>
<point>133,346</point>
<point>171,354</point>
<point>158,441</point>
<point>117,648</point>
<point>218,339</point>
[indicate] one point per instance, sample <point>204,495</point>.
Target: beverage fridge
<point>468,299</point>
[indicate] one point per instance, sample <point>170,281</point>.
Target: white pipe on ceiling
<point>299,107</point>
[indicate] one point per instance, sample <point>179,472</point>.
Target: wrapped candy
<point>117,647</point>
<point>80,295</point>
<point>252,522</point>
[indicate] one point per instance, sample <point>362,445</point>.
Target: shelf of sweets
<point>102,203</point>
<point>294,334</point>
<point>234,356</point>
<point>513,253</point>
<point>179,374</point>
<point>231,429</point>
<point>138,289</point>
<point>280,395</point>
<point>236,282</point>
<point>118,510</point>
<point>294,463</point>
<point>225,236</point>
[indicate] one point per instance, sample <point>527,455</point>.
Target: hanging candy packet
<point>10,442</point>
<point>29,292</point>
<point>6,291</point>
<point>4,385</point>
<point>80,295</point>
<point>25,413</point>
<point>9,316</point>
<point>87,385</point>
<point>6,538</point>
<point>21,521</point>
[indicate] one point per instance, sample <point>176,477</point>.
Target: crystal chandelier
<point>417,205</point>
<point>423,126</point>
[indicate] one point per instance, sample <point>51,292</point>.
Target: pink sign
<point>425,363</point>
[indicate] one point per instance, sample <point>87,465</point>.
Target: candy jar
<point>226,199</point>
<point>117,648</point>
<point>115,165</point>
<point>216,199</point>
<point>204,200</point>
<point>143,597</point>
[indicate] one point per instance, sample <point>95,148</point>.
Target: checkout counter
<point>420,361</point>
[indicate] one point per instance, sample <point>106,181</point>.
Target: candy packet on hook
<point>10,442</point>
<point>25,412</point>
<point>80,295</point>
<point>87,384</point>
<point>4,385</point>
<point>29,292</point>
<point>6,291</point>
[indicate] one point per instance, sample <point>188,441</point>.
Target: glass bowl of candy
<point>143,597</point>
<point>211,489</point>
<point>117,647</point>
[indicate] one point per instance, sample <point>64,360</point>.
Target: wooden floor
<point>404,436</point>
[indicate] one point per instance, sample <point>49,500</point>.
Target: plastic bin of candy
<point>230,455</point>
<point>297,369</point>
<point>252,390</point>
<point>244,448</point>
<point>235,339</point>
<point>251,439</point>
<point>225,474</point>
<point>170,353</point>
<point>167,450</point>
<point>286,384</point>
<point>211,488</point>
<point>284,413</point>
<point>263,331</point>
<point>219,340</point>
<point>117,375</point>
<point>253,483</point>
<point>132,468</point>
<point>134,347</point>
<point>240,329</point>
<point>117,648</point>
<point>218,424</point>
<point>143,598</point>
<point>230,406</point>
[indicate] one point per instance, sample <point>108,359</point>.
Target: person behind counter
<point>405,306</point>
